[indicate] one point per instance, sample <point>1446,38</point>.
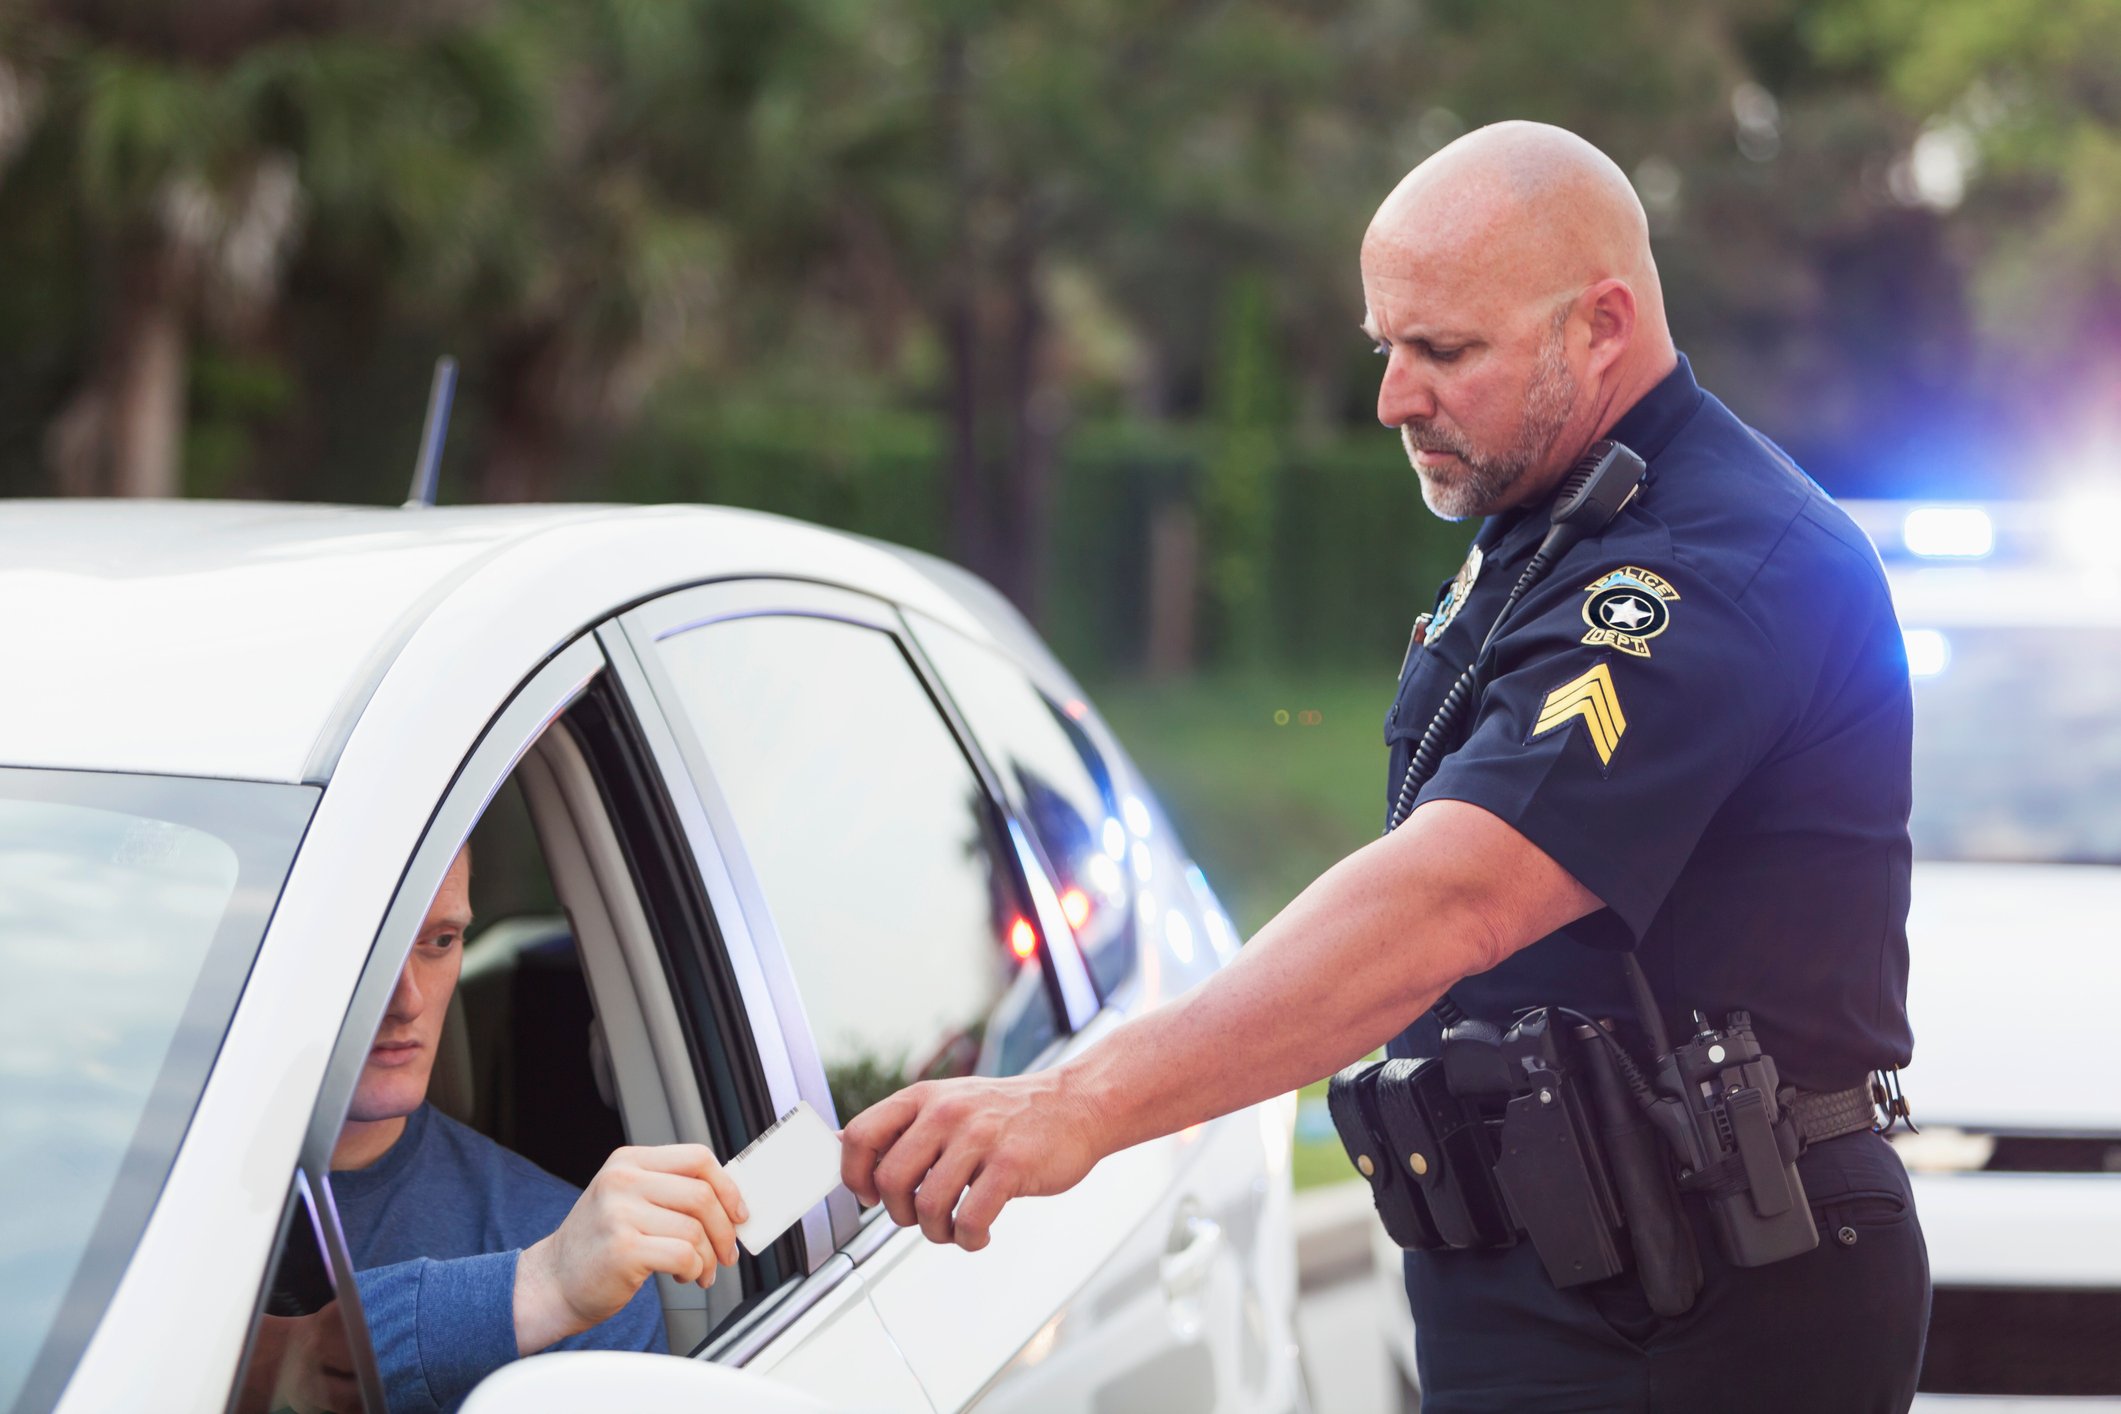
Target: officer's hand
<point>664,1209</point>
<point>1009,1138</point>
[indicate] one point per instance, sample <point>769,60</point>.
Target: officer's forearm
<point>1368,947</point>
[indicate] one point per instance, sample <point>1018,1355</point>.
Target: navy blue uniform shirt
<point>1702,714</point>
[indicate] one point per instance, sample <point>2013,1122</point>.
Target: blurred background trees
<point>1065,290</point>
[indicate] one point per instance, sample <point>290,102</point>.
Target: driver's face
<point>394,1081</point>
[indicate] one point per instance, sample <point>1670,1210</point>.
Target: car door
<point>803,1315</point>
<point>1190,1309</point>
<point>312,1262</point>
<point>909,926</point>
<point>814,1327</point>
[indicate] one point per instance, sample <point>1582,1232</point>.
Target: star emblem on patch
<point>1626,612</point>
<point>1626,608</point>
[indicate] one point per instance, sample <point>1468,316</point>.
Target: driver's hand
<point>664,1209</point>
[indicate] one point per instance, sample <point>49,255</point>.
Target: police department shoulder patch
<point>1626,609</point>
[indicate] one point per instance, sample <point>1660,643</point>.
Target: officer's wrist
<point>1092,1086</point>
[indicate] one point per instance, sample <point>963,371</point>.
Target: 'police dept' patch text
<point>1626,609</point>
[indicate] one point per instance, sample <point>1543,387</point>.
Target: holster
<point>1493,1139</point>
<point>1425,1153</point>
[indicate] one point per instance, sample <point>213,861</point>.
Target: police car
<point>810,817</point>
<point>2012,620</point>
<point>2012,616</point>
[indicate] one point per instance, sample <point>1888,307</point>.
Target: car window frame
<point>304,1203</point>
<point>731,895</point>
<point>536,705</point>
<point>1067,977</point>
<point>730,1055</point>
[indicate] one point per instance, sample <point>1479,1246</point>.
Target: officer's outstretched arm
<point>1370,945</point>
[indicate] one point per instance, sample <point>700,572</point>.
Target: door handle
<point>1196,1239</point>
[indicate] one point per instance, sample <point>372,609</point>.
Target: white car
<point>2012,616</point>
<point>817,816</point>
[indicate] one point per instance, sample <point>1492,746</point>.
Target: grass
<point>1318,1161</point>
<point>1265,805</point>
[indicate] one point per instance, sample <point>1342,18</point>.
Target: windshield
<point>2017,743</point>
<point>130,908</point>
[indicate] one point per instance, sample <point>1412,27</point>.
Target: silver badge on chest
<point>1455,597</point>
<point>1428,626</point>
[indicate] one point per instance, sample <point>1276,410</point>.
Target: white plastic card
<point>783,1174</point>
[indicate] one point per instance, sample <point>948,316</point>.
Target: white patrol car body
<point>2012,613</point>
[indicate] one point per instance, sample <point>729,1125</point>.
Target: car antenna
<point>427,472</point>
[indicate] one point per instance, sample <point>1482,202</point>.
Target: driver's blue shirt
<point>434,1229</point>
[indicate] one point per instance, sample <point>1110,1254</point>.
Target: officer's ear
<point>1608,311</point>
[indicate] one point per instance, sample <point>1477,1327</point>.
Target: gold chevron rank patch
<point>1592,698</point>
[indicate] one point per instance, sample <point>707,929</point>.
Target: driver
<point>468,1256</point>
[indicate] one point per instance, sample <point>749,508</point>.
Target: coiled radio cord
<point>1595,490</point>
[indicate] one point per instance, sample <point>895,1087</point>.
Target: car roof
<point>2006,596</point>
<point>2033,565</point>
<point>241,640</point>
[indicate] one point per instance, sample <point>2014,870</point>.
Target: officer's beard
<point>1481,485</point>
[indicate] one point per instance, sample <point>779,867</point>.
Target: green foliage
<point>1344,555</point>
<point>778,252</point>
<point>858,1083</point>
<point>2031,91</point>
<point>142,123</point>
<point>1317,1162</point>
<point>875,471</point>
<point>231,391</point>
<point>1235,480</point>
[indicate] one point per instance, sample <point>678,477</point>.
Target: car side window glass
<point>1059,782</point>
<point>876,847</point>
<point>300,1355</point>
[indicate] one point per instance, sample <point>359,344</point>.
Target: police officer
<point>1690,741</point>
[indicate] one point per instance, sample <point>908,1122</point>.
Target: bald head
<point>1512,267</point>
<point>1531,205</point>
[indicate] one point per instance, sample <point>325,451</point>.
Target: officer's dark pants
<point>1838,1330</point>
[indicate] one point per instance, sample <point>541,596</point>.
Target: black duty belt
<point>1824,1115</point>
<point>1550,1131</point>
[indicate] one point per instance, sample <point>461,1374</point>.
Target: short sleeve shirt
<point>1703,715</point>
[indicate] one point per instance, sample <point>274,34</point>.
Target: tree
<point>2020,120</point>
<point>196,144</point>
